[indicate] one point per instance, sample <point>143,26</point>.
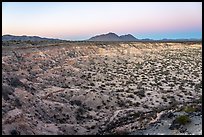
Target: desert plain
<point>98,88</point>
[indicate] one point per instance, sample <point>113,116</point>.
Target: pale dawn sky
<point>82,20</point>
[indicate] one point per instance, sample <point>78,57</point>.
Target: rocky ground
<point>97,88</point>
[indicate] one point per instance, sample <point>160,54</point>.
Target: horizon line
<point>165,38</point>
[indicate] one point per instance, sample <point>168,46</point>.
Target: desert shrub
<point>6,91</point>
<point>137,104</point>
<point>130,96</point>
<point>119,132</point>
<point>189,109</point>
<point>92,84</point>
<point>79,113</point>
<point>148,94</point>
<point>180,95</point>
<point>15,132</point>
<point>17,102</point>
<point>183,119</point>
<point>76,102</point>
<point>140,94</point>
<point>164,98</point>
<point>121,103</point>
<point>15,82</point>
<point>200,99</point>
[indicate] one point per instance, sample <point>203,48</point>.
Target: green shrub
<point>183,119</point>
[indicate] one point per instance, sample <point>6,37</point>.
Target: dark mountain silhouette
<point>26,38</point>
<point>105,37</point>
<point>128,37</point>
<point>113,37</point>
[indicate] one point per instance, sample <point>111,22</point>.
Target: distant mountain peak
<point>113,37</point>
<point>128,37</point>
<point>111,33</point>
<point>105,37</point>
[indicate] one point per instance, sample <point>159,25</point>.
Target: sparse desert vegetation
<point>97,87</point>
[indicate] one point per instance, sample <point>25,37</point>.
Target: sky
<point>82,20</point>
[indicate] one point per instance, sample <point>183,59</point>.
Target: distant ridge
<point>128,37</point>
<point>113,37</point>
<point>191,39</point>
<point>26,38</point>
